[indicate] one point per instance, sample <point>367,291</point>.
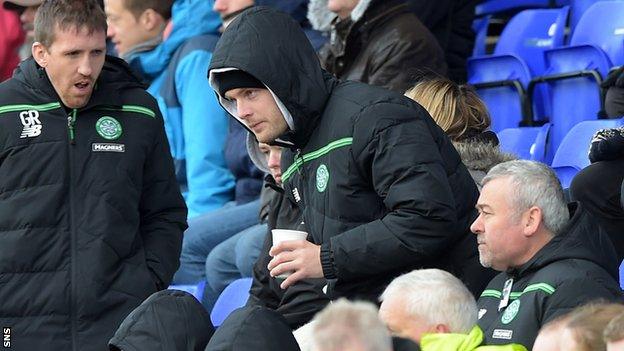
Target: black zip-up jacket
<point>91,217</point>
<point>382,188</point>
<point>577,266</point>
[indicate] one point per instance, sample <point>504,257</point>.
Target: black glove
<point>607,144</point>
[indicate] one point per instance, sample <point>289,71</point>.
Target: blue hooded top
<point>196,125</point>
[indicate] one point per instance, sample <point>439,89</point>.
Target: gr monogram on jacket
<point>91,217</point>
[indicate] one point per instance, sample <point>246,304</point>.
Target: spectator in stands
<point>613,334</point>
<point>379,42</point>
<point>11,38</point>
<point>614,98</point>
<point>235,257</point>
<point>349,326</point>
<point>552,257</point>
<point>549,336</point>
<point>461,114</point>
<point>598,186</point>
<point>580,330</point>
<point>243,215</point>
<point>26,10</point>
<point>450,21</point>
<point>196,125</point>
<point>91,215</point>
<point>370,213</point>
<point>434,309</point>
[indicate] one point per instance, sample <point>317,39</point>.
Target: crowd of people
<point>145,143</point>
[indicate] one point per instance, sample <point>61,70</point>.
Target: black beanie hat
<point>234,79</point>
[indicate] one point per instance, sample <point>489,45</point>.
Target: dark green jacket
<point>575,267</point>
<point>91,217</point>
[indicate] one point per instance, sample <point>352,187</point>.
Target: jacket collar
<point>581,238</point>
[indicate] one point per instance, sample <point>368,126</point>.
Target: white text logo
<point>31,122</point>
<point>6,339</point>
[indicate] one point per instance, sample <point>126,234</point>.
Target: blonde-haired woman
<point>464,118</point>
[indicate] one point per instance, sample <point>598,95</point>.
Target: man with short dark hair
<point>91,214</point>
<point>381,187</point>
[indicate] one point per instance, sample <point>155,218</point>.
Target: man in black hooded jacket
<point>91,217</point>
<point>381,187</point>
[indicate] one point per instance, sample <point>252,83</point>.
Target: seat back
<point>593,48</point>
<point>602,25</point>
<point>480,27</point>
<point>234,296</point>
<point>518,56</point>
<point>528,143</point>
<point>572,154</point>
<point>529,33</point>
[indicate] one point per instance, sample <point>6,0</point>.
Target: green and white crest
<point>510,312</point>
<point>108,128</point>
<point>322,178</point>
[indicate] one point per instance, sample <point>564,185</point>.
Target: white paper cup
<point>280,235</point>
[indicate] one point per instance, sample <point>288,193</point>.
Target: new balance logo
<point>31,122</point>
<point>108,147</point>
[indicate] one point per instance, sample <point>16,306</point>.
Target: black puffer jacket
<point>577,266</point>
<point>89,226</point>
<point>382,188</point>
<point>383,44</point>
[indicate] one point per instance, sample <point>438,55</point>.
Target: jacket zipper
<point>71,121</point>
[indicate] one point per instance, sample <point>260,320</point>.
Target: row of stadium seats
<point>533,78</point>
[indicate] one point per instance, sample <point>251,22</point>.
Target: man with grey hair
<point>434,309</point>
<point>427,301</point>
<point>349,326</point>
<point>552,257</point>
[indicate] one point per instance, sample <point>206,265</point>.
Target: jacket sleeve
<point>205,126</point>
<point>299,303</point>
<point>406,170</point>
<point>162,209</point>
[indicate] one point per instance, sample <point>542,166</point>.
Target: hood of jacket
<point>253,328</point>
<point>461,342</point>
<point>167,320</point>
<point>321,17</point>
<point>581,238</point>
<point>271,46</point>
<point>190,18</point>
<point>481,156</point>
<point>116,75</point>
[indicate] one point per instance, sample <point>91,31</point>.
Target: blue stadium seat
<point>489,7</point>
<point>197,290</point>
<point>234,296</point>
<point>528,143</point>
<point>577,9</point>
<point>501,79</point>
<point>480,27</point>
<point>571,155</point>
<point>573,73</point>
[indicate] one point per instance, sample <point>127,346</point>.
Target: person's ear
<point>442,329</point>
<point>151,20</point>
<point>40,54</point>
<point>532,220</point>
